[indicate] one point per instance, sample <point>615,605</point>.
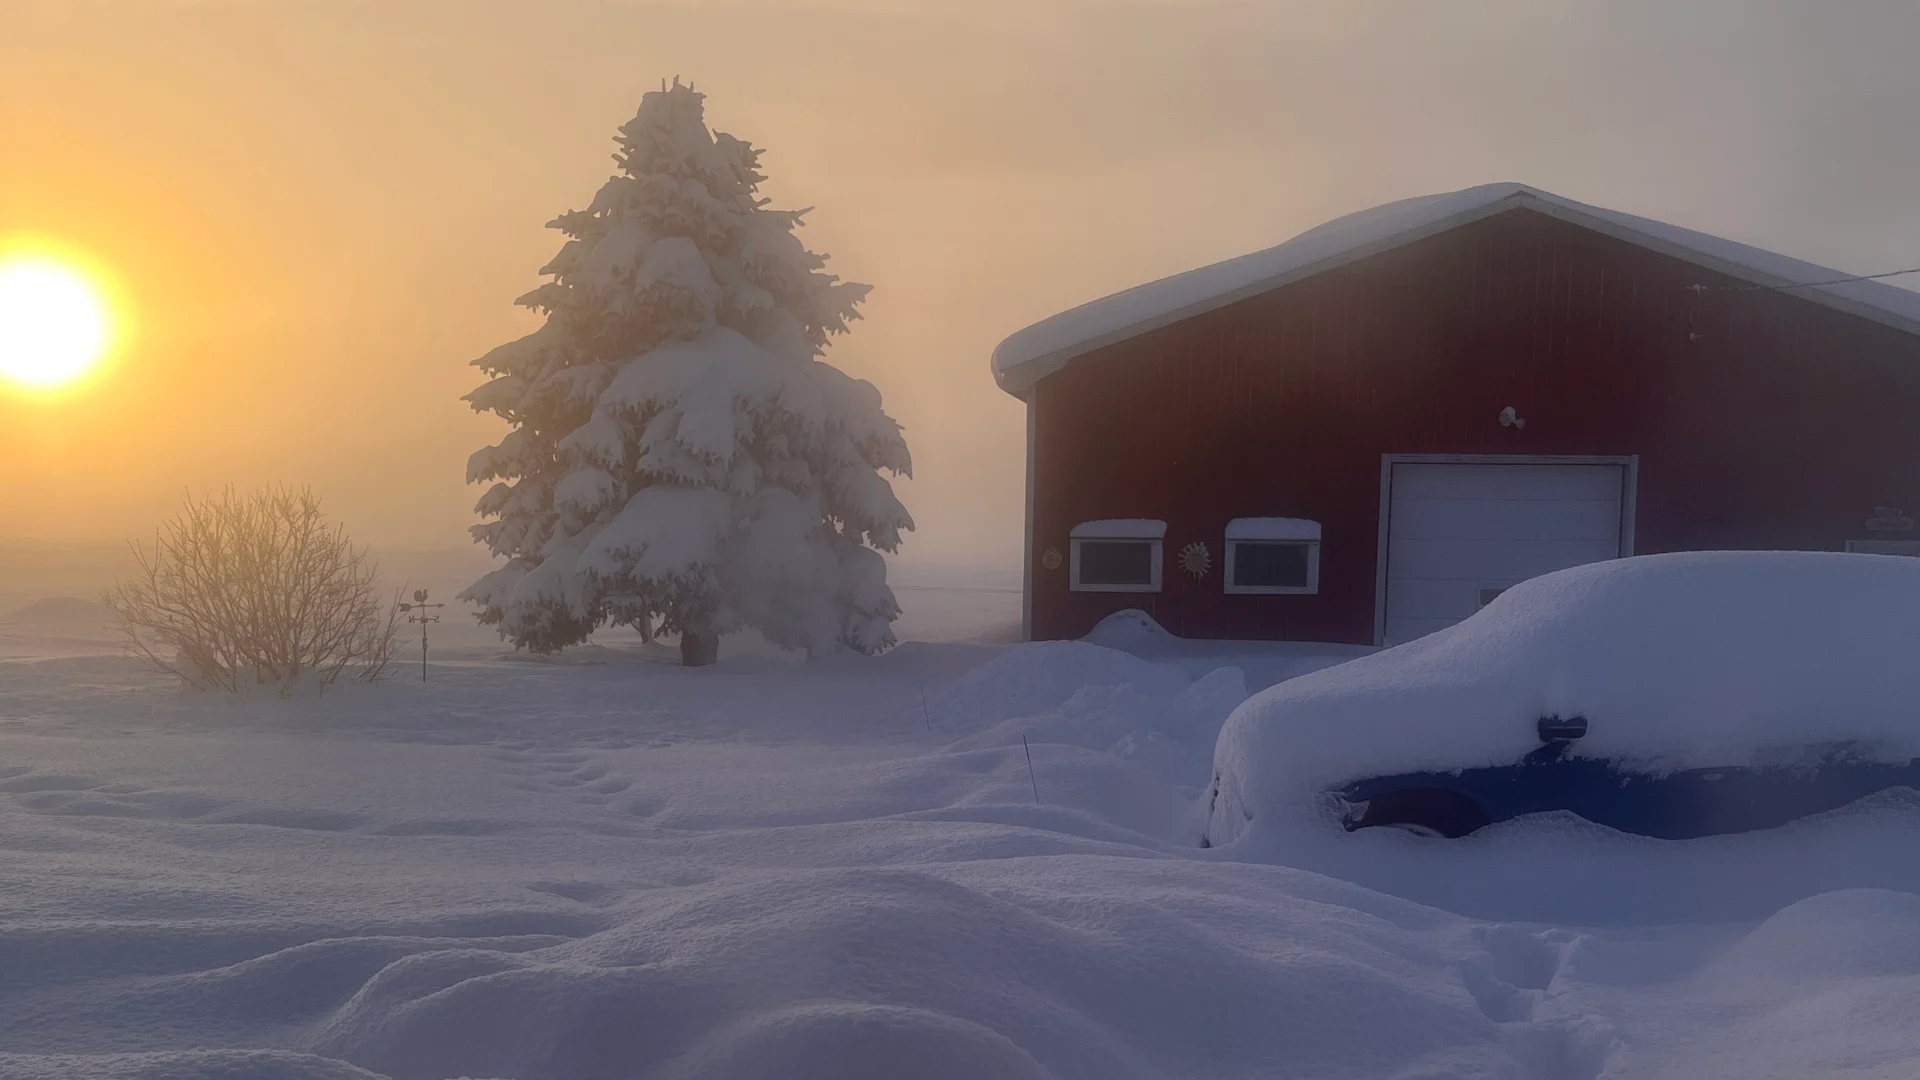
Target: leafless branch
<point>257,590</point>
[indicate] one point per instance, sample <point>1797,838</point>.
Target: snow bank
<point>1130,630</point>
<point>1171,737</point>
<point>758,871</point>
<point>1073,693</point>
<point>1017,968</point>
<point>832,1040</point>
<point>1261,663</point>
<point>1030,679</point>
<point>1677,661</point>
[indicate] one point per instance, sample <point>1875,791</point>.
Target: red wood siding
<point>1762,420</point>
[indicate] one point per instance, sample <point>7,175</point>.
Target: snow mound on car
<point>1677,661</point>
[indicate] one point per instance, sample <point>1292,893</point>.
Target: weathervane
<point>419,607</point>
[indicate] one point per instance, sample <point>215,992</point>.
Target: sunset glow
<point>56,323</point>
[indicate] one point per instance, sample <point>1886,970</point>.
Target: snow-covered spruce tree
<point>680,456</point>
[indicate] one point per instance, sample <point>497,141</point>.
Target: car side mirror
<point>1552,729</point>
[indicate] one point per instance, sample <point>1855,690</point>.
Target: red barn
<point>1366,433</point>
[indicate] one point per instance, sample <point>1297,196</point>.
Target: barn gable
<point>1441,417</point>
<point>1037,351</point>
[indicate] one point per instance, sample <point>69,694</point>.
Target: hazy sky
<point>323,210</point>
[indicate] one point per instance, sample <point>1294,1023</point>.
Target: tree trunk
<point>698,649</point>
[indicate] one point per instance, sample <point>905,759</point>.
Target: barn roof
<point>1031,354</point>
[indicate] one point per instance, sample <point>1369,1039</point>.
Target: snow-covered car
<point>1669,695</point>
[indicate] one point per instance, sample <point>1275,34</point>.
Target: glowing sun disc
<point>55,323</point>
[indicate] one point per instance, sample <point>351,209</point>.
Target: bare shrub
<point>257,590</point>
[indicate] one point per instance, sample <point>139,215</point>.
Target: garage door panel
<point>1506,519</point>
<point>1439,598</point>
<point>1402,630</point>
<point>1456,529</point>
<point>1504,560</point>
<point>1413,482</point>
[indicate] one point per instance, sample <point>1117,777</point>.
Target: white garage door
<point>1458,533</point>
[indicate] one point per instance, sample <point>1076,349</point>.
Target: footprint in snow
<point>28,781</point>
<point>1513,984</point>
<point>583,892</point>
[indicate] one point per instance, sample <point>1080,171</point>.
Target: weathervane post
<point>421,616</point>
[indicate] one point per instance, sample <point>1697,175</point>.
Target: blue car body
<point>1675,805</point>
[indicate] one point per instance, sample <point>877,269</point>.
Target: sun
<point>56,321</point>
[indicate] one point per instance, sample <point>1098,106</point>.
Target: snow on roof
<point>1032,354</point>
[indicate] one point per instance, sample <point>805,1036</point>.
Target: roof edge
<point>1018,380</point>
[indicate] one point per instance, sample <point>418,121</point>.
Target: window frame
<point>1123,531</point>
<point>1271,531</point>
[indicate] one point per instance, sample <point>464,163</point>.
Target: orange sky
<point>323,210</point>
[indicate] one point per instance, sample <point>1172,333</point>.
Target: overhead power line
<point>1800,284</point>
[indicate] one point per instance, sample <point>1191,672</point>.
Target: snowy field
<point>611,867</point>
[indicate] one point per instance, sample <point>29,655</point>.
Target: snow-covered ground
<point>606,866</point>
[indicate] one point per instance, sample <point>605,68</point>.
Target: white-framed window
<point>1117,555</point>
<point>1884,547</point>
<point>1273,555</point>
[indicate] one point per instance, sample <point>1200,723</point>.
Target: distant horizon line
<point>1009,570</point>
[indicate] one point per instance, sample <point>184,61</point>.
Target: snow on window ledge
<point>1297,571</point>
<point>1273,528</point>
<point>1120,529</point>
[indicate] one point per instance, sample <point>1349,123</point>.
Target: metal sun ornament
<point>1196,560</point>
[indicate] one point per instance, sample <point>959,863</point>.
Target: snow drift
<point>777,870</point>
<point>1071,693</point>
<point>1677,661</point>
